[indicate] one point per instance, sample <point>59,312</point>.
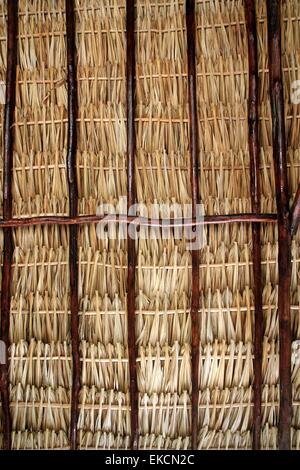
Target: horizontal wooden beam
<point>140,221</point>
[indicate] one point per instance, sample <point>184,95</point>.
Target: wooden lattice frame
<point>287,219</point>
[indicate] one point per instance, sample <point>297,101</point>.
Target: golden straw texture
<point>40,343</point>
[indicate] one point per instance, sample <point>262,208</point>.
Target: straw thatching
<point>40,350</point>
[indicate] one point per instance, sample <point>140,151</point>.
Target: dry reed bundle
<point>40,343</point>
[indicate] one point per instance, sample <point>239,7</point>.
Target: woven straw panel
<point>40,350</point>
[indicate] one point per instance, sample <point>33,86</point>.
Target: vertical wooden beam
<point>130,83</point>
<point>284,234</point>
<point>73,203</point>
<point>193,136</point>
<point>254,148</point>
<point>10,101</point>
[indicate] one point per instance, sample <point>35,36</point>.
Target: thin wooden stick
<point>191,53</point>
<point>131,253</point>
<point>73,202</point>
<point>141,221</point>
<point>295,213</point>
<point>253,121</point>
<point>10,100</point>
<point>284,233</point>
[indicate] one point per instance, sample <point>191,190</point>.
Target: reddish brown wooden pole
<point>131,253</point>
<point>10,100</point>
<point>141,221</point>
<point>295,212</point>
<point>284,233</point>
<point>253,121</point>
<point>191,52</point>
<point>73,202</point>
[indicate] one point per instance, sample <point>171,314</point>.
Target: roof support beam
<point>10,100</point>
<point>254,149</point>
<point>73,210</point>
<point>283,216</point>
<point>193,136</point>
<point>131,195</point>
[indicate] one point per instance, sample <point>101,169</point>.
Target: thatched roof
<point>40,357</point>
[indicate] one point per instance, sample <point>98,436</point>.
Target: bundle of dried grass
<point>40,349</point>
